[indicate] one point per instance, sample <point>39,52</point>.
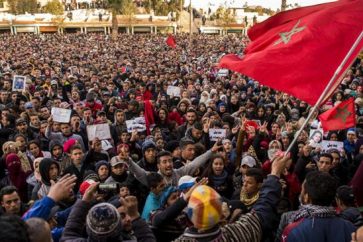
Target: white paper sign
<point>327,145</point>
<point>223,72</point>
<point>215,134</point>
<point>19,83</point>
<point>137,123</point>
<point>100,131</point>
<point>61,115</point>
<point>173,91</point>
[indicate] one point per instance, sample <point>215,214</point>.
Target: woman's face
<point>218,166</point>
<point>53,172</point>
<point>317,137</point>
<point>334,137</point>
<point>202,108</point>
<point>34,149</point>
<point>260,112</point>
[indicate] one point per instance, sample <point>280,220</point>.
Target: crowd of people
<point>167,178</point>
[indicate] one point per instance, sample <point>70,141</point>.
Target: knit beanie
<point>68,145</point>
<point>204,207</point>
<point>103,221</point>
<point>101,163</point>
<point>147,145</point>
<point>166,194</point>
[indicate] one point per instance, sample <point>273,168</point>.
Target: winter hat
<point>103,221</point>
<point>186,182</point>
<point>90,175</point>
<point>204,207</point>
<point>101,163</point>
<point>53,144</point>
<point>85,185</point>
<point>147,145</point>
<point>166,194</point>
<point>68,145</point>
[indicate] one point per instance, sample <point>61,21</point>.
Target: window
<point>1,3</point>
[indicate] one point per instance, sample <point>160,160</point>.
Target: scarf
<point>119,178</point>
<point>248,201</point>
<point>149,115</point>
<point>314,211</point>
<point>220,180</point>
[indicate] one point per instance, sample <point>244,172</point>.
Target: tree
<point>128,9</point>
<point>162,7</point>
<point>115,8</point>
<point>23,6</point>
<point>54,7</point>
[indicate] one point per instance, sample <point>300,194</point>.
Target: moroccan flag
<point>340,117</point>
<point>298,51</point>
<point>170,41</point>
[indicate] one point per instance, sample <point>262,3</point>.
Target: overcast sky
<point>273,4</point>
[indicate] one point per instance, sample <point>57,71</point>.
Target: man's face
<point>125,219</point>
<point>196,133</point>
<point>325,164</point>
<point>34,120</point>
<point>191,117</point>
<point>188,152</point>
<point>22,127</point>
<point>44,112</point>
<point>77,156</point>
<point>53,172</point>
<point>165,165</point>
<point>11,203</point>
<point>119,169</point>
<point>103,172</point>
<point>250,186</point>
<point>150,155</point>
<point>351,137</point>
<point>120,117</point>
<point>66,129</point>
<point>57,151</point>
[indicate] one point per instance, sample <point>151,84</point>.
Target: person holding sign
<point>65,134</point>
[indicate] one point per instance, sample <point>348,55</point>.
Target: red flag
<point>298,51</point>
<point>149,116</point>
<point>170,41</point>
<point>340,117</point>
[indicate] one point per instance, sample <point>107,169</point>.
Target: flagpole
<point>326,90</point>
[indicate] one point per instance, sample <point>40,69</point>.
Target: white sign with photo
<point>215,134</point>
<point>19,83</point>
<point>327,145</point>
<point>100,131</point>
<point>61,115</point>
<point>316,137</point>
<point>136,123</point>
<point>173,91</point>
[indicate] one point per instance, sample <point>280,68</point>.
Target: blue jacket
<point>319,229</point>
<point>152,203</point>
<point>42,209</point>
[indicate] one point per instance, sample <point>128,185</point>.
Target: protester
<point>131,143</point>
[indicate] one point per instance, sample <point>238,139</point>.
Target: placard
<point>137,123</point>
<point>173,91</point>
<point>215,134</point>
<point>61,115</point>
<point>100,131</point>
<point>328,144</point>
<point>19,83</point>
<point>316,137</point>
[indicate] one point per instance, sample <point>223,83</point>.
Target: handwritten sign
<point>61,115</point>
<point>215,134</point>
<point>136,123</point>
<point>327,145</point>
<point>100,131</point>
<point>19,83</point>
<point>223,72</point>
<point>173,91</point>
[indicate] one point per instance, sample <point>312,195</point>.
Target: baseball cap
<point>249,161</point>
<point>186,182</point>
<point>116,160</point>
<point>28,105</point>
<point>20,121</point>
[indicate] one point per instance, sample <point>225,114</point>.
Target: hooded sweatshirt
<point>44,168</point>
